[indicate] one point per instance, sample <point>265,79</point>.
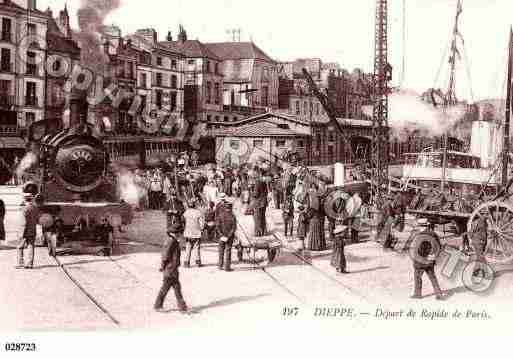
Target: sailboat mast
<point>450,98</point>
<point>505,151</point>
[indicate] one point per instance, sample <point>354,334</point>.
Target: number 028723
<point>20,347</point>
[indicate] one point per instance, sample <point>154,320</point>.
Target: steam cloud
<point>127,187</point>
<point>91,18</point>
<point>27,162</point>
<point>409,113</point>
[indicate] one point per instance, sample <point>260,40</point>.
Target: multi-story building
<point>160,78</point>
<point>203,78</point>
<point>250,78</point>
<point>63,55</point>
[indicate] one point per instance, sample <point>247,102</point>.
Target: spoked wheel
<point>499,216</point>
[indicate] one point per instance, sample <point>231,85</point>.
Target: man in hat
<point>338,259</point>
<point>226,225</point>
<point>30,217</point>
<point>277,188</point>
<point>169,267</point>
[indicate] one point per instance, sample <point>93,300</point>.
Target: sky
<point>343,31</point>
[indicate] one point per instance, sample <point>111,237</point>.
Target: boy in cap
<point>169,267</point>
<point>31,214</point>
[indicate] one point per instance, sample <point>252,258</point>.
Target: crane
<point>382,76</point>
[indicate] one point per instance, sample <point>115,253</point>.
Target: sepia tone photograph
<point>264,167</point>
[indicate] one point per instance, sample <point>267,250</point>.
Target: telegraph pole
<point>505,152</point>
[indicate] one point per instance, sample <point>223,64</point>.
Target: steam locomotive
<point>82,206</point>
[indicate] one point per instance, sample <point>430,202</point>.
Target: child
<point>302,227</point>
<point>288,216</point>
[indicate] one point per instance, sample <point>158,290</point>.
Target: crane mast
<point>382,75</point>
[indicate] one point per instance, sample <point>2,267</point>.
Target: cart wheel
<point>499,216</point>
<point>271,255</point>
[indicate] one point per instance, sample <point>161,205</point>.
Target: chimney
<point>148,34</point>
<point>169,36</point>
<point>31,4</point>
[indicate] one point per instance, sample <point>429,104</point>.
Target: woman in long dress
<point>316,240</point>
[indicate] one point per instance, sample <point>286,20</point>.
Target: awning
<point>12,142</point>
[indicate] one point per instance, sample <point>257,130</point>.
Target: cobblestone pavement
<point>125,285</point>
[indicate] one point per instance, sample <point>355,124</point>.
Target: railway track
<point>91,298</point>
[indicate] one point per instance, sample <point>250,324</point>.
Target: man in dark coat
<point>259,206</point>
<point>426,247</point>
<point>277,192</point>
<point>226,224</point>
<point>338,259</point>
<point>169,267</point>
<point>174,209</point>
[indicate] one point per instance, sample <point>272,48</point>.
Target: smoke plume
<point>91,18</point>
<point>26,163</point>
<point>409,113</point>
<point>128,189</point>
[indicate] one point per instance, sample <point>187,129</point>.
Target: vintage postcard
<point>192,170</point>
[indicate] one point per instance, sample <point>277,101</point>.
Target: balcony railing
<point>31,101</point>
<point>9,130</point>
<point>6,67</point>
<point>6,36</point>
<point>7,100</point>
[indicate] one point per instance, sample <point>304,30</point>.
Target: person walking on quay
<point>338,258</point>
<point>426,246</point>
<point>226,224</point>
<point>174,209</point>
<point>288,216</point>
<point>194,223</point>
<point>259,205</point>
<point>209,229</point>
<point>302,227</point>
<point>169,267</point>
<point>30,218</point>
<point>2,218</point>
<point>155,191</point>
<point>316,240</point>
<point>277,189</point>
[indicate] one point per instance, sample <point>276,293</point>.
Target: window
<point>173,81</point>
<point>31,63</point>
<point>330,151</point>
<point>300,143</point>
<point>207,66</point>
<point>130,70</point>
<point>331,136</point>
<point>209,92</point>
<point>56,66</point>
<point>158,99</point>
<point>173,64</point>
<point>305,108</point>
<point>31,29</point>
<point>173,101</point>
<point>209,118</point>
<point>144,101</point>
<point>190,62</point>
<point>280,143</point>
<point>258,143</point>
<point>5,64</point>
<point>145,58</point>
<point>235,119</point>
<point>217,94</point>
<point>317,105</point>
<point>5,93</point>
<point>6,30</point>
<point>265,95</point>
<point>159,61</point>
<point>30,118</point>
<point>30,94</point>
<point>143,80</point>
<point>217,118</point>
<point>234,144</point>
<point>216,68</point>
<point>158,79</point>
<point>298,108</point>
